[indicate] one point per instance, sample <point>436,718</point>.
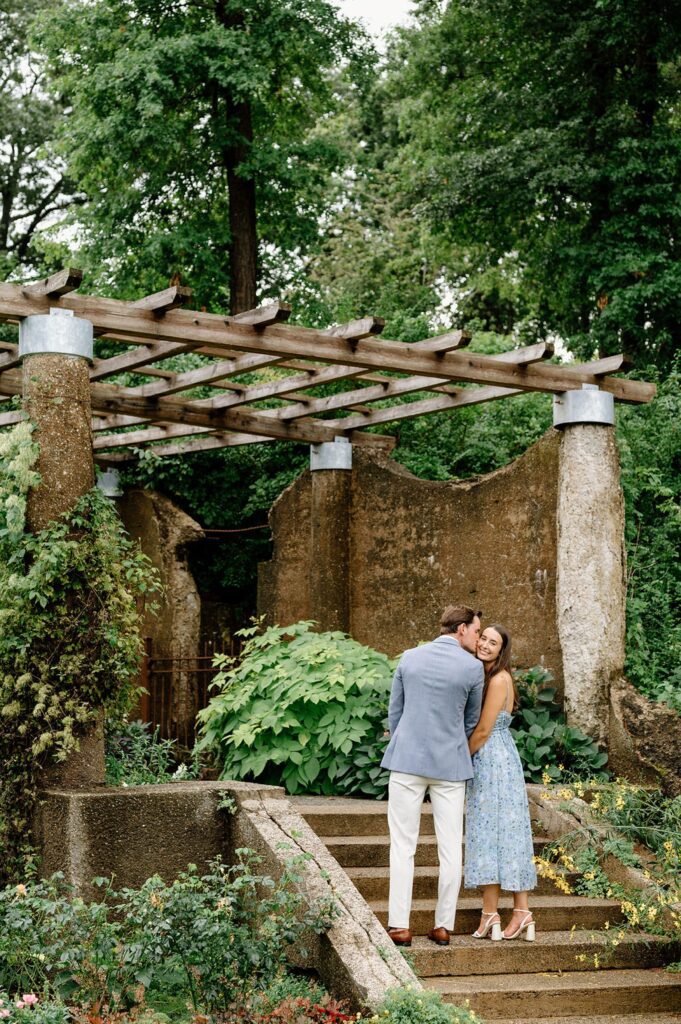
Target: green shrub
<point>547,745</point>
<point>296,707</point>
<point>136,756</point>
<point>69,634</point>
<point>419,1006</point>
<point>217,938</point>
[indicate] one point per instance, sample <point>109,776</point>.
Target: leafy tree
<point>198,133</point>
<point>33,185</point>
<point>543,137</point>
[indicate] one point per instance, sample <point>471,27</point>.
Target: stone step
<point>633,1018</point>
<point>339,816</point>
<point>374,850</point>
<point>551,913</point>
<point>551,951</point>
<point>373,883</point>
<point>517,996</point>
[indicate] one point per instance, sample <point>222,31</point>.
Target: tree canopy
<point>197,131</point>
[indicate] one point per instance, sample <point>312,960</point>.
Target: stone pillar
<point>590,577</point>
<point>56,350</point>
<point>331,467</point>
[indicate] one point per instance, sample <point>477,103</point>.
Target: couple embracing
<point>450,710</point>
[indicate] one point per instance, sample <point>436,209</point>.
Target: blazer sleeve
<point>471,715</point>
<point>396,704</point>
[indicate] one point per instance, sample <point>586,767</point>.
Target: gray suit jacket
<point>435,704</point>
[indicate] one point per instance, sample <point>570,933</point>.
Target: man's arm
<point>471,714</point>
<point>396,705</point>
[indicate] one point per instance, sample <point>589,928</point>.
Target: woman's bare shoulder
<point>500,679</point>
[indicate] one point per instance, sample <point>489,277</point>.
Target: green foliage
<point>294,708</point>
<point>546,744</point>
<point>214,937</point>
<point>542,139</point>
<point>34,187</point>
<point>164,101</point>
<point>406,1005</point>
<point>42,1011</point>
<point>136,756</point>
<point>650,447</point>
<point>69,633</point>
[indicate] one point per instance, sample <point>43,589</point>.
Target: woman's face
<point>489,645</point>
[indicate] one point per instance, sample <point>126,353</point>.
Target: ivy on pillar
<point>331,468</point>
<point>56,351</point>
<point>590,582</point>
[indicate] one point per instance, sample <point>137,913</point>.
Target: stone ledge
<point>134,832</point>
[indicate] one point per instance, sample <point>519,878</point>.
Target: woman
<point>499,852</point>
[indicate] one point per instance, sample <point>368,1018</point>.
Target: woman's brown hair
<point>502,663</point>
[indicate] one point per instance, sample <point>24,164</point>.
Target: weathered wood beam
<point>64,281</point>
<point>198,444</point>
<point>282,340</point>
<point>426,407</point>
<point>445,342</point>
<point>271,313</point>
<point>135,358</point>
<point>356,329</point>
<point>132,438</point>
<point>108,398</point>
<point>209,374</point>
<point>160,302</point>
<point>404,386</point>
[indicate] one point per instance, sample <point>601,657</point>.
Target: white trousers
<point>405,797</point>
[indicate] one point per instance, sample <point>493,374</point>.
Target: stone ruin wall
<point>416,545</point>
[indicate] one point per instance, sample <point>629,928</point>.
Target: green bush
<point>419,1006</point>
<point>216,938</point>
<point>296,707</point>
<point>548,747</point>
<point>138,756</point>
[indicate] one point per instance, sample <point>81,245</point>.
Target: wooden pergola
<point>160,411</point>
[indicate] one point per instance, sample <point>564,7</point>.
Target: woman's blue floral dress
<point>498,833</point>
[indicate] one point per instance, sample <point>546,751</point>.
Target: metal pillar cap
<point>590,405</point>
<point>59,333</point>
<point>109,483</point>
<point>336,454</point>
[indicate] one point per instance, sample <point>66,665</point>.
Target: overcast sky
<point>377,15</point>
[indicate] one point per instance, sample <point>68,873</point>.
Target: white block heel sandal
<point>525,928</point>
<point>490,923</point>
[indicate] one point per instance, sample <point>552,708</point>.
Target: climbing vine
<point>69,634</point>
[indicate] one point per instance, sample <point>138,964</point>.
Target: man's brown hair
<point>456,615</point>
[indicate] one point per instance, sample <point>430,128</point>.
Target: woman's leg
<point>519,917</point>
<point>489,916</point>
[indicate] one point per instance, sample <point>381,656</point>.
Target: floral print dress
<point>498,833</point>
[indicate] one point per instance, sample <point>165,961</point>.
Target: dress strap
<point>508,689</point>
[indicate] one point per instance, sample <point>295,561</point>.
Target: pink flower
<point>29,999</point>
<point>19,1004</point>
<point>4,1013</point>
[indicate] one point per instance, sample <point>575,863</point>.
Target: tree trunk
<point>243,246</point>
<point>236,120</point>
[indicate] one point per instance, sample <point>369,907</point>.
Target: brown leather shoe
<point>400,936</point>
<point>440,936</point>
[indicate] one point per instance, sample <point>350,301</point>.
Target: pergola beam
<point>190,327</point>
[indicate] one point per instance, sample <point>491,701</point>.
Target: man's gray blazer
<point>435,704</point>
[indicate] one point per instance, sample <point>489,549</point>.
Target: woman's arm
<point>495,700</point>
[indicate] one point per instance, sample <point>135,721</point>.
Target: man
<point>435,704</point>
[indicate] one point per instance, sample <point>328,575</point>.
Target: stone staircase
<point>519,982</point>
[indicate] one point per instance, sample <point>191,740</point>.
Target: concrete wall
<point>133,833</point>
<point>416,545</point>
<point>164,532</point>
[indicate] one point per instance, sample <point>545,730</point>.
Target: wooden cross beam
<point>279,339</point>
